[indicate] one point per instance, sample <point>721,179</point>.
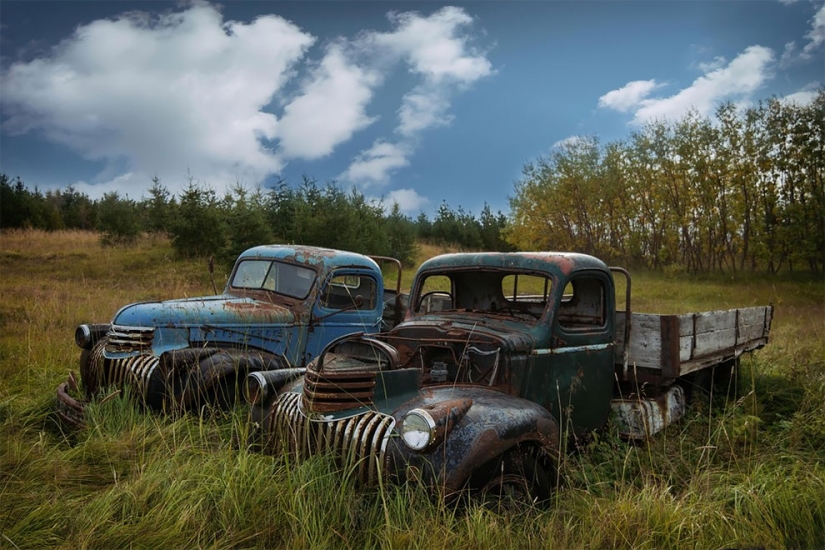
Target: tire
<point>517,477</point>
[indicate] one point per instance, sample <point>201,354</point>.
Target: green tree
<point>401,233</point>
<point>198,228</point>
<point>118,220</point>
<point>246,222</point>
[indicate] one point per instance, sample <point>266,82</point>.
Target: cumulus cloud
<point>373,166</point>
<point>736,81</point>
<point>816,36</point>
<point>187,92</point>
<point>628,96</point>
<point>805,96</point>
<point>434,50</point>
<point>330,109</point>
<point>408,200</point>
<point>814,39</point>
<point>433,46</point>
<point>190,96</point>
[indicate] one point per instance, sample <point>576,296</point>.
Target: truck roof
<point>318,258</point>
<point>557,263</point>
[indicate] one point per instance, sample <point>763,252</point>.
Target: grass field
<point>740,473</point>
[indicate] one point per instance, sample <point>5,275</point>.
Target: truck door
<point>348,302</point>
<point>582,351</point>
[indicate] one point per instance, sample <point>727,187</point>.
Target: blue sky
<point>412,102</point>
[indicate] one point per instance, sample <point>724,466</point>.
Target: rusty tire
<point>516,477</point>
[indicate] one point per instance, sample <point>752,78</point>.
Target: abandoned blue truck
<point>501,360</point>
<point>281,306</point>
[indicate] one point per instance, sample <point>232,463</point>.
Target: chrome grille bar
<point>122,339</point>
<point>359,441</point>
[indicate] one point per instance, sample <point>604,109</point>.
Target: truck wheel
<point>517,476</point>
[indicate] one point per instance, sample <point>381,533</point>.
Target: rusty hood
<point>210,310</point>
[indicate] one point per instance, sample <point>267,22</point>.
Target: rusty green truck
<point>501,360</point>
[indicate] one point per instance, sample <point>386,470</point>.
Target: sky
<point>415,103</point>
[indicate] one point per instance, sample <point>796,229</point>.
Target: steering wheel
<point>427,296</point>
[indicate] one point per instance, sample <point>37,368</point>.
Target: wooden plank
<point>713,332</point>
<point>685,336</point>
<point>752,315</point>
<point>752,324</point>
<point>644,348</point>
<point>750,332</point>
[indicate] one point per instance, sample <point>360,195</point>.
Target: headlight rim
<point>83,336</point>
<point>430,430</point>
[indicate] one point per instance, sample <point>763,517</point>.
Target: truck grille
<point>134,371</point>
<point>122,339</point>
<point>331,391</point>
<point>358,441</point>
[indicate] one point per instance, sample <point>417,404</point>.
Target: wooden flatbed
<point>662,348</point>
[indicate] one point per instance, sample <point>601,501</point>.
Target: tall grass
<point>745,472</point>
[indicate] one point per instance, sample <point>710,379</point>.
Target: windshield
<point>288,279</point>
<point>522,295</point>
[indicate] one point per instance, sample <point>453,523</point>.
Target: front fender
<point>493,423</point>
<point>191,378</point>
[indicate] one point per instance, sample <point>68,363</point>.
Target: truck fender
<point>492,424</point>
<point>189,378</point>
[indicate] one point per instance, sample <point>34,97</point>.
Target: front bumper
<point>71,411</point>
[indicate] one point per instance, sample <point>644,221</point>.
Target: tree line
<point>200,222</point>
<point>743,191</point>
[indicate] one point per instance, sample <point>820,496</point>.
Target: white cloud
<point>435,51</point>
<point>421,109</point>
<point>408,200</point>
<point>789,55</point>
<point>373,166</point>
<point>628,96</point>
<point>816,36</point>
<point>330,109</point>
<point>182,91</point>
<point>571,141</point>
<point>433,47</point>
<point>736,81</point>
<point>717,63</point>
<point>805,96</point>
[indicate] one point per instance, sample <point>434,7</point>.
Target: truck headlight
<point>255,389</point>
<point>418,429</point>
<point>86,336</point>
<point>83,337</point>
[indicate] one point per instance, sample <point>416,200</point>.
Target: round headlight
<point>255,389</point>
<point>83,337</point>
<point>418,429</point>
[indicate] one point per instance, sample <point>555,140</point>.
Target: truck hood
<point>209,310</point>
<point>511,336</point>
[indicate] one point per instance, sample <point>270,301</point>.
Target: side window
<point>583,304</point>
<point>356,292</point>
<point>436,294</point>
